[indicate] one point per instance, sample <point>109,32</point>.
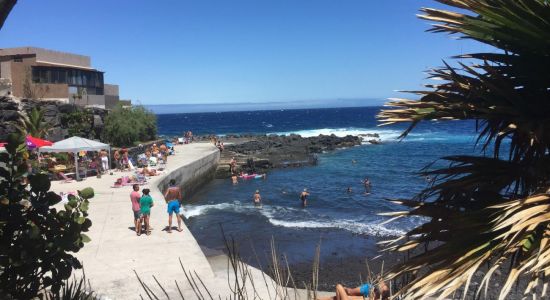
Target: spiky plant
<point>34,124</point>
<point>484,210</point>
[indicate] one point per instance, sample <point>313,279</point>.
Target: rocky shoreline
<point>260,153</point>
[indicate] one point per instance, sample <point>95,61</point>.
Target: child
<point>146,202</point>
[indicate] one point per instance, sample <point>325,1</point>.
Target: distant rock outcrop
<point>263,152</point>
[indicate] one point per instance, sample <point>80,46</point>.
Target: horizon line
<point>294,102</point>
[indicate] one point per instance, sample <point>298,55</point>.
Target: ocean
<point>346,224</point>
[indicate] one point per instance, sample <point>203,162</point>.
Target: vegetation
<point>484,211</point>
<point>126,126</point>
<point>5,9</point>
<point>34,124</point>
<point>79,123</point>
<point>36,238</point>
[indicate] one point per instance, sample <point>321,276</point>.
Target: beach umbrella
<point>33,142</point>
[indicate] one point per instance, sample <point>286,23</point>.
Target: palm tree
<point>34,123</point>
<point>484,211</point>
<point>5,9</point>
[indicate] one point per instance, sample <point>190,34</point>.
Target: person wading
<point>173,198</point>
<point>303,197</point>
<point>257,198</point>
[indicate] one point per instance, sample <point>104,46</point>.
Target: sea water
<point>346,223</point>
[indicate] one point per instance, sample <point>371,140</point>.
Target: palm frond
<point>483,210</point>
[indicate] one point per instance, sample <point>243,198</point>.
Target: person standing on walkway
<point>136,208</point>
<point>173,198</point>
<point>145,203</point>
<point>104,161</point>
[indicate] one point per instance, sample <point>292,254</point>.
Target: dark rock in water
<point>261,153</point>
<point>375,142</point>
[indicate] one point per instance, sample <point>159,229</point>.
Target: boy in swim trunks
<point>173,197</point>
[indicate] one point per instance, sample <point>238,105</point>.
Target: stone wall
<point>193,176</point>
<point>54,113</point>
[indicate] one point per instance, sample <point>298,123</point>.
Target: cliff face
<point>67,119</point>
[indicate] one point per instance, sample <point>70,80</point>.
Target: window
<point>17,59</point>
<point>91,80</point>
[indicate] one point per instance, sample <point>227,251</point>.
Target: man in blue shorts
<point>173,198</point>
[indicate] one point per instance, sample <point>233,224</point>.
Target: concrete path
<point>115,251</point>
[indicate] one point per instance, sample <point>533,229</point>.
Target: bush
<point>79,123</point>
<point>36,239</point>
<point>126,126</point>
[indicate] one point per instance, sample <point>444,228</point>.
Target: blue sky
<point>184,52</point>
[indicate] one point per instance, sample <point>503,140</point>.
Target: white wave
<point>270,212</point>
<point>193,211</point>
<point>349,225</point>
<point>385,134</point>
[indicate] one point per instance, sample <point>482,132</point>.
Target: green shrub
<point>126,126</point>
<point>36,239</point>
<point>79,123</point>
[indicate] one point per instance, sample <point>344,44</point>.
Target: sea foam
<point>301,218</point>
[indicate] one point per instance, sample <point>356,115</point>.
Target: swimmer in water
<point>234,178</point>
<point>257,198</point>
<point>367,185</point>
<point>349,190</point>
<point>353,161</point>
<point>303,197</point>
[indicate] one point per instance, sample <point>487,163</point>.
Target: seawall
<point>191,177</point>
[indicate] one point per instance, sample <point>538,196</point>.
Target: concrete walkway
<point>115,251</point>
